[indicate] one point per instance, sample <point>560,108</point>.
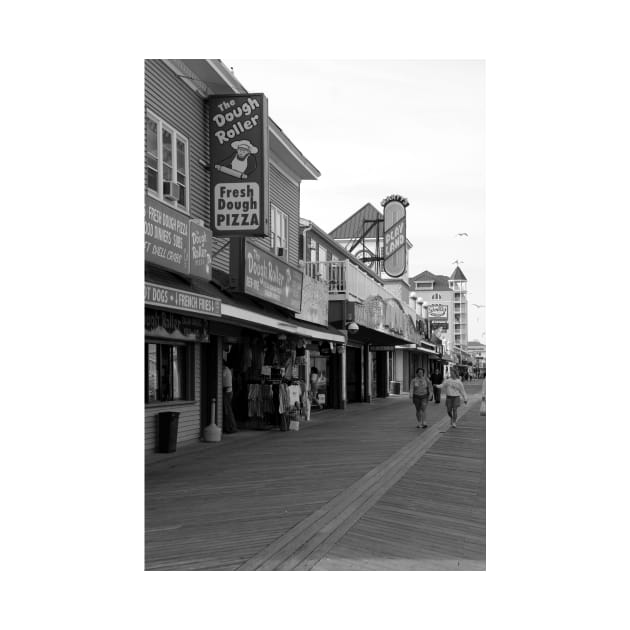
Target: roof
<point>439,282</point>
<point>218,78</point>
<point>353,226</point>
<point>458,274</point>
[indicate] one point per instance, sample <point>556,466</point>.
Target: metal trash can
<point>168,422</point>
<point>394,387</point>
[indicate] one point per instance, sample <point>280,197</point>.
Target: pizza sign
<point>239,160</point>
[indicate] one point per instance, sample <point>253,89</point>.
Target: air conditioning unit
<point>170,190</point>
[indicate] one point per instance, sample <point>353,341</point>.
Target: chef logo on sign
<point>242,162</point>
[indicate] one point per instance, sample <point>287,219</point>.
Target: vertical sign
<point>395,235</point>
<point>200,251</point>
<point>239,146</point>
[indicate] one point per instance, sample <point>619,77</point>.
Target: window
<point>322,253</point>
<point>424,286</point>
<point>279,223</point>
<point>436,296</point>
<point>168,372</point>
<point>166,163</point>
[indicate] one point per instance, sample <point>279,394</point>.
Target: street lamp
<point>352,327</point>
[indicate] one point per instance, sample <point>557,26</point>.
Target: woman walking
<point>454,390</point>
<point>420,393</point>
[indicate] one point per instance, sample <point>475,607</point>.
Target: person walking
<point>436,379</point>
<point>229,421</point>
<point>419,393</point>
<point>454,390</point>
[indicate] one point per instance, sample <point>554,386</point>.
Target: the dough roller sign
<point>239,141</point>
<point>395,235</point>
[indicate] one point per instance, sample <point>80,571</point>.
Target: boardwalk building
<point>209,298</point>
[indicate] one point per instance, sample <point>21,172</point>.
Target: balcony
<point>347,281</point>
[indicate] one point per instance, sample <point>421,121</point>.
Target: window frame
<point>278,216</point>
<point>175,166</point>
<point>188,375</point>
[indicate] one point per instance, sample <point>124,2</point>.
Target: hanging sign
<point>438,311</point>
<point>158,295</point>
<point>166,236</point>
<point>395,235</point>
<point>200,251</point>
<point>269,278</point>
<point>239,146</point>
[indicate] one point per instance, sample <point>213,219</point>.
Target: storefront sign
<point>239,141</point>
<point>271,279</point>
<point>158,295</point>
<point>438,328</point>
<point>314,301</point>
<point>166,242</point>
<point>438,311</point>
<point>161,323</point>
<point>200,251</point>
<point>395,235</point>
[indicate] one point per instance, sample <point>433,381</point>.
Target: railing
<point>347,281</point>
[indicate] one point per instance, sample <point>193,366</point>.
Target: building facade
<point>214,301</point>
<point>447,303</point>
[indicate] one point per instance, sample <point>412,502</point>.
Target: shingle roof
<point>439,282</point>
<point>458,274</point>
<point>353,226</point>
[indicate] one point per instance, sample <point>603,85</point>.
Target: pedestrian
<point>436,379</point>
<point>454,390</point>
<point>229,421</point>
<point>420,393</point>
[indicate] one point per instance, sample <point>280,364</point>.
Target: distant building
<point>478,353</point>
<point>446,300</point>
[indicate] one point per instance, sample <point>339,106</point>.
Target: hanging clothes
<point>294,395</point>
<point>254,401</point>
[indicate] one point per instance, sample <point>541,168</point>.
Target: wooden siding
<point>169,98</point>
<point>285,195</point>
<point>189,413</point>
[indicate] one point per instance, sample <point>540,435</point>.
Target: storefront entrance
<point>354,391</point>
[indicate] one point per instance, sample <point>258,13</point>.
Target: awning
<point>244,311</point>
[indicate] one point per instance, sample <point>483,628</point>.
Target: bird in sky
<point>479,305</point>
<point>462,234</point>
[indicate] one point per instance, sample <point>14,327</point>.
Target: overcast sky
<point>375,128</point>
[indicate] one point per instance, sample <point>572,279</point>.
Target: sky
<point>376,128</point>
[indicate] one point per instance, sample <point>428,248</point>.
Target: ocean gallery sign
<point>239,146</point>
<point>437,311</point>
<point>395,235</point>
<point>174,241</point>
<point>268,278</point>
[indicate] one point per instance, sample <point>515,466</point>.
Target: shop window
<point>166,163</point>
<point>168,372</point>
<point>279,229</point>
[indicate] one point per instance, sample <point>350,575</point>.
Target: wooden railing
<point>347,281</point>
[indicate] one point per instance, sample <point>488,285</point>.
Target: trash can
<point>394,387</point>
<point>167,431</point>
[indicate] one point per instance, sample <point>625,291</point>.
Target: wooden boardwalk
<point>432,519</point>
<point>295,500</point>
